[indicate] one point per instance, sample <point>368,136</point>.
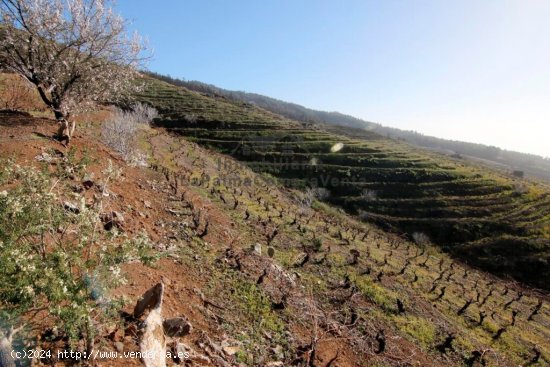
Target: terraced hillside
<point>495,222</point>
<point>269,276</point>
<point>361,296</point>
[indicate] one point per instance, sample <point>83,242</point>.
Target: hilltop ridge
<point>506,160</point>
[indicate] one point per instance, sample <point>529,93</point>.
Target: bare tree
<point>121,129</point>
<point>75,52</point>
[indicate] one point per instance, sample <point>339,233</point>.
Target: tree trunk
<point>66,127</point>
<point>73,127</point>
<point>6,359</point>
<point>64,132</point>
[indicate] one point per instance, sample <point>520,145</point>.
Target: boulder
<point>177,327</point>
<point>300,259</point>
<point>153,341</point>
<point>150,300</point>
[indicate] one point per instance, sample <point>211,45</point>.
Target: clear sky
<point>472,70</point>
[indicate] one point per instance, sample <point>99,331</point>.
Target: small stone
<point>77,188</point>
<point>111,219</point>
<point>44,157</point>
<point>71,207</point>
<point>118,216</point>
<point>319,258</point>
<point>147,204</point>
<point>279,353</point>
<point>300,259</point>
<point>258,249</point>
<point>270,251</point>
<point>166,280</point>
<point>181,352</point>
<point>119,346</point>
<point>131,330</point>
<point>118,335</point>
<point>110,328</point>
<point>88,181</point>
<point>230,351</point>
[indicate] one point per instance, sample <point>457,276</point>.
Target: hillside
<point>484,218</point>
<point>150,221</point>
<point>268,277</point>
<point>506,160</point>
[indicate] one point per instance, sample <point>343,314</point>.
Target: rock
<point>319,258</point>
<point>119,346</point>
<point>174,212</point>
<point>117,335</point>
<point>77,188</point>
<point>177,327</point>
<point>110,328</point>
<point>270,251</point>
<point>279,352</point>
<point>257,249</point>
<point>230,351</point>
<point>274,364</point>
<point>150,299</point>
<point>55,332</point>
<point>118,216</point>
<point>71,207</point>
<point>44,157</point>
<point>88,181</point>
<point>166,280</point>
<point>180,352</point>
<point>112,219</point>
<point>153,341</point>
<point>201,360</point>
<point>147,204</point>
<point>300,259</point>
<point>130,330</point>
<point>114,333</point>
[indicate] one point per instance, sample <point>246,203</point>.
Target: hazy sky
<point>472,70</point>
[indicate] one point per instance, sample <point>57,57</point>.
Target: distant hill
<point>510,161</point>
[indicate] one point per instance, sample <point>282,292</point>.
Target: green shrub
<point>420,329</point>
<point>55,258</point>
<point>384,298</point>
<point>317,244</point>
